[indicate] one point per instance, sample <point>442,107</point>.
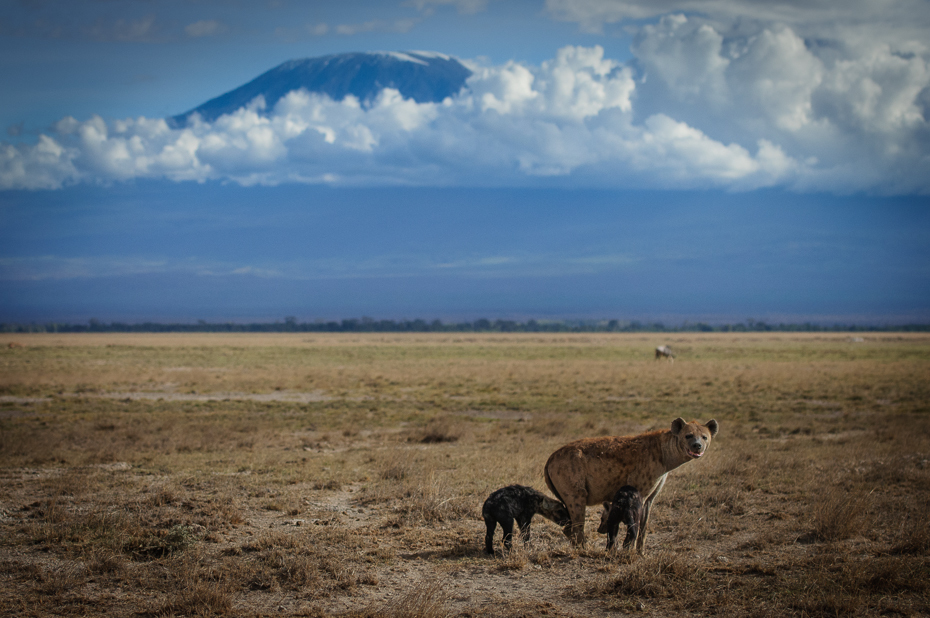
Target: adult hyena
<point>588,471</point>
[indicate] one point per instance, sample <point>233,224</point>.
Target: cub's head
<point>694,438</point>
<point>553,510</point>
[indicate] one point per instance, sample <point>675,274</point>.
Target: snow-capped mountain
<point>421,76</point>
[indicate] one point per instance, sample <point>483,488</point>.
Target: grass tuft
<point>434,499</point>
<point>424,600</point>
<point>438,430</point>
<point>914,536</point>
<point>839,514</point>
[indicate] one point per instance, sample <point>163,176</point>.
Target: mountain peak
<point>418,75</point>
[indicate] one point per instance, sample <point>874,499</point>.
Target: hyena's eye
<point>689,436</point>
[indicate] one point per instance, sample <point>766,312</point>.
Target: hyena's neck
<point>672,457</point>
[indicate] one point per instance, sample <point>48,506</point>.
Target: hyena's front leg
<point>643,525</point>
<point>644,522</point>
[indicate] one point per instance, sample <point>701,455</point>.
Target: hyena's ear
<point>712,425</point>
<point>677,424</point>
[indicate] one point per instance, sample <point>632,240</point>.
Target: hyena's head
<point>694,438</point>
<point>555,511</point>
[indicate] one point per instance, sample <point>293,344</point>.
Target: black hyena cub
<point>520,503</point>
<point>627,507</point>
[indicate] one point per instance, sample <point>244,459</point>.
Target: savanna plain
<point>343,475</point>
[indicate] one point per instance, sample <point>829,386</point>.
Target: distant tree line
<point>369,325</point>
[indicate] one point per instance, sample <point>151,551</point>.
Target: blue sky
<point>697,160</point>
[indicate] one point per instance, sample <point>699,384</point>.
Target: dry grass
<point>840,513</point>
<point>313,475</point>
<point>423,600</point>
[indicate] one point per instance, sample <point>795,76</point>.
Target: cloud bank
<point>804,104</point>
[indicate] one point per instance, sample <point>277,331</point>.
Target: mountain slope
<point>421,76</point>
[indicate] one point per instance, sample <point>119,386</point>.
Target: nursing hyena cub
<point>626,508</point>
<point>520,503</point>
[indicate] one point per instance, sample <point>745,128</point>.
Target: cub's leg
<point>491,524</point>
<point>524,523</point>
<point>632,533</point>
<point>507,526</point>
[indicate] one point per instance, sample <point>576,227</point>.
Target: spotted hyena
<point>520,503</point>
<point>626,508</point>
<point>588,471</point>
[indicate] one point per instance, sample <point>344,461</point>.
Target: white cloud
<point>144,29</point>
<point>205,27</point>
<point>707,101</point>
<point>684,151</point>
<point>377,25</point>
<point>46,165</point>
<point>580,83</point>
<point>56,267</point>
<point>856,21</point>
<point>686,56</point>
<point>877,92</point>
<point>317,29</point>
<point>504,90</point>
<point>465,7</point>
<point>777,74</point>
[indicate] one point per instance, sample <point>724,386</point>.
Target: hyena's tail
<point>549,484</point>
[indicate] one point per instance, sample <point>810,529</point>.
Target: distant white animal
<point>663,351</point>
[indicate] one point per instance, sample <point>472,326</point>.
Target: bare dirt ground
<point>345,476</point>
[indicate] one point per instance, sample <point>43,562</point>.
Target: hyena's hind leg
<point>491,524</point>
<point>575,529</point>
<point>574,497</point>
<point>507,526</point>
<point>524,524</point>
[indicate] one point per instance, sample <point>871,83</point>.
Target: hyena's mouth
<point>696,454</point>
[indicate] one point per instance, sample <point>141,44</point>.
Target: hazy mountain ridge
<point>421,76</point>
